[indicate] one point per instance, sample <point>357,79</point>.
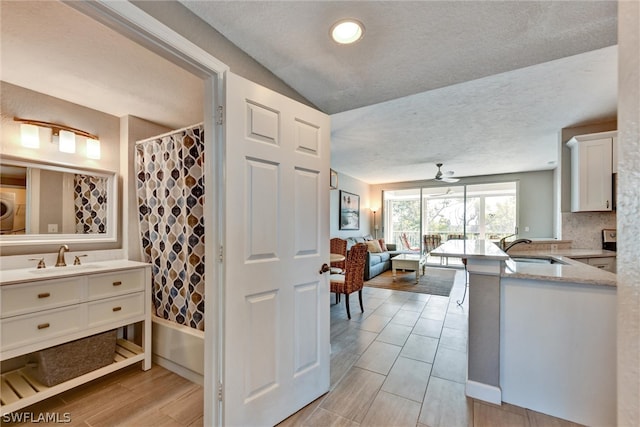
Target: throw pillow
<point>383,245</point>
<point>373,246</point>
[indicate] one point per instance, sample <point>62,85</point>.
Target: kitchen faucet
<point>515,242</point>
<point>502,242</point>
<point>60,261</point>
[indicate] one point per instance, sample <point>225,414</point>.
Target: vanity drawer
<point>114,309</point>
<point>27,329</point>
<point>111,284</point>
<point>32,297</point>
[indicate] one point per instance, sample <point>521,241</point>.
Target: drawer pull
<point>118,283</point>
<point>44,295</point>
<point>116,308</point>
<point>43,326</point>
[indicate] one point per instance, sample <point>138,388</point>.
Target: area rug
<point>436,281</point>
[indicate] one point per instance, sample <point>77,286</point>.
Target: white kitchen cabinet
<point>603,263</point>
<point>591,172</point>
<point>45,309</point>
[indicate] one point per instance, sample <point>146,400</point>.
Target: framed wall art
<point>349,211</point>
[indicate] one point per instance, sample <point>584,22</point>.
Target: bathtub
<point>178,348</point>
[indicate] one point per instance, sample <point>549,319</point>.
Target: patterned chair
<point>353,278</point>
<point>431,241</point>
<point>455,236</point>
<point>338,246</point>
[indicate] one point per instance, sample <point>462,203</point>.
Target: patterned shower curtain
<point>170,189</point>
<point>90,199</point>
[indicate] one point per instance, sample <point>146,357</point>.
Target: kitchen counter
<point>571,272</point>
<point>563,313</point>
<point>470,249</point>
<point>570,253</point>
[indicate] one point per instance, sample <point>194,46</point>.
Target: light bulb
<point>67,142</point>
<point>93,148</point>
<point>29,135</point>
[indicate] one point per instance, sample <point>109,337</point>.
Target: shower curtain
<point>90,199</point>
<point>170,189</point>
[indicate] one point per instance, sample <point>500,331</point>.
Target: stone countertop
<point>470,249</point>
<point>24,275</point>
<point>570,253</point>
<point>570,272</point>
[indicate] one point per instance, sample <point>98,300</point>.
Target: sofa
<point>377,262</point>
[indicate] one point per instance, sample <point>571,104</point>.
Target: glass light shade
<point>29,135</point>
<point>347,31</point>
<point>67,142</point>
<point>93,148</point>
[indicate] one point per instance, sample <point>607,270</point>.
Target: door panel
<point>276,303</point>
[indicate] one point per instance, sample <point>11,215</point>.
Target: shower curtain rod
<point>171,132</point>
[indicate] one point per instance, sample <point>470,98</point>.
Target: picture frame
<point>333,179</point>
<point>349,211</point>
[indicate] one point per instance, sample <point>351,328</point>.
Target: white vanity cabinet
<point>45,308</point>
<point>591,172</point>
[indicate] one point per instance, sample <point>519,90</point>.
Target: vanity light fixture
<point>66,141</point>
<point>347,31</point>
<point>64,136</point>
<point>29,135</point>
<point>93,148</point>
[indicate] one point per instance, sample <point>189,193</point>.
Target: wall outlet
<point>52,228</point>
<point>526,229</point>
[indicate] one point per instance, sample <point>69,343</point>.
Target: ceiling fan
<point>444,176</point>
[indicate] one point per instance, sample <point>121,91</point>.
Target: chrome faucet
<point>515,242</point>
<point>60,261</point>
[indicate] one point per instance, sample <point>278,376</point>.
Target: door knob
<point>324,269</point>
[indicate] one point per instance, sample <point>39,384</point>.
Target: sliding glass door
<point>476,211</point>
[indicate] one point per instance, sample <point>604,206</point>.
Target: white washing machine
<point>7,211</point>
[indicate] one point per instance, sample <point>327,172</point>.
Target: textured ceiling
<point>459,78</point>
<point>483,87</point>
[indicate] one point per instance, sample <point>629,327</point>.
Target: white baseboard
<point>484,392</point>
<point>178,369</point>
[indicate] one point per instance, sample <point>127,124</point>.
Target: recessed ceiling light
<point>347,31</point>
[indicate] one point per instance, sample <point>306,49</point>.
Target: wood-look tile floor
<point>400,363</point>
<point>403,363</point>
<point>129,397</point>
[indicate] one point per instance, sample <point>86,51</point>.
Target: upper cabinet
<point>591,172</point>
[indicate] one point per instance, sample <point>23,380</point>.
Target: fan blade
<point>449,180</point>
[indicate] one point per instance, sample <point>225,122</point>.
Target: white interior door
<point>276,310</point>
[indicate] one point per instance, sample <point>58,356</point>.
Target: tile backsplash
<point>585,228</point>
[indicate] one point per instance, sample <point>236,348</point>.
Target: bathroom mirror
<point>44,203</point>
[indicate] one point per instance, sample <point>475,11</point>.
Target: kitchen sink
<point>538,260</point>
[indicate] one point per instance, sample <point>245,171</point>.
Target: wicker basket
<point>57,364</point>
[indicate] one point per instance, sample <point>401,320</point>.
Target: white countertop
<point>485,249</point>
<point>22,275</point>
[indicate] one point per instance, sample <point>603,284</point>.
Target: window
<point>475,211</point>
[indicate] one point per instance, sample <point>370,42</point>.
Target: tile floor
<point>403,363</point>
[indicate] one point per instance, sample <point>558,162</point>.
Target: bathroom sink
<point>63,270</point>
<point>538,260</point>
